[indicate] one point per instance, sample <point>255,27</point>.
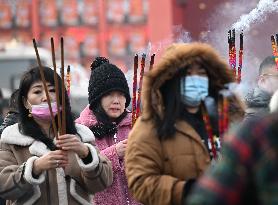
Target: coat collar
<point>11,135</point>
<point>175,58</point>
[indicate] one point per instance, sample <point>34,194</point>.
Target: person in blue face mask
<point>194,86</point>
<point>168,147</point>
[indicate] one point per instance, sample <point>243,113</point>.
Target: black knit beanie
<point>106,77</point>
<point>98,62</point>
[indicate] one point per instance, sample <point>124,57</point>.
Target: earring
<point>30,114</point>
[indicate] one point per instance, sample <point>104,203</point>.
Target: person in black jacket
<point>12,116</point>
<point>10,119</point>
<point>257,100</point>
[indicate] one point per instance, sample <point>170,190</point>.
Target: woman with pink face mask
<point>35,168</point>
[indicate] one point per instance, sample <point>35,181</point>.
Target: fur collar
<point>175,58</point>
<point>11,135</point>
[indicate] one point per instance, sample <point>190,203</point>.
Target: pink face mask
<point>42,111</point>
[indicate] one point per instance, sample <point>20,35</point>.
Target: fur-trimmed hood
<point>176,58</point>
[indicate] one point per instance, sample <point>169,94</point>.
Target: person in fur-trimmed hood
<point>36,168</point>
<point>110,121</point>
<point>168,147</point>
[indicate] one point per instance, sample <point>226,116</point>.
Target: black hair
<point>13,105</point>
<point>170,91</point>
<point>27,125</point>
<point>268,62</point>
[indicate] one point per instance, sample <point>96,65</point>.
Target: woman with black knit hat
<point>107,116</point>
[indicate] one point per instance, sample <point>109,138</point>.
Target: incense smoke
<point>257,15</point>
<point>257,43</point>
<point>179,35</point>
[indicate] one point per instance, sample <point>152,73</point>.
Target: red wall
<point>193,15</point>
<point>160,20</point>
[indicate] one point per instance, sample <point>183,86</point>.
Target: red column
<point>160,24</point>
<point>102,28</point>
<point>35,19</point>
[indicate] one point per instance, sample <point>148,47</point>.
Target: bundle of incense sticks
<point>240,58</point>
<point>232,50</point>
<point>68,80</point>
<point>134,84</point>
<point>152,61</point>
<point>209,131</point>
<point>223,116</point>
<point>63,87</point>
<point>274,44</point>
<point>232,54</point>
<point>136,104</point>
<point>61,120</point>
<point>56,84</point>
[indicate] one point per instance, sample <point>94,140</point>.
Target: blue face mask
<point>194,89</point>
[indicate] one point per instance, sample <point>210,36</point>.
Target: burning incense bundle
<point>56,83</point>
<point>209,131</point>
<point>45,88</point>
<point>61,120</point>
<point>152,62</point>
<point>232,54</point>
<point>134,84</point>
<point>138,107</point>
<point>223,117</point>
<point>68,80</point>
<point>274,44</point>
<point>232,50</point>
<point>240,58</point>
<point>63,88</point>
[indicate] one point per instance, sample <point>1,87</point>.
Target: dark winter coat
<point>10,119</point>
